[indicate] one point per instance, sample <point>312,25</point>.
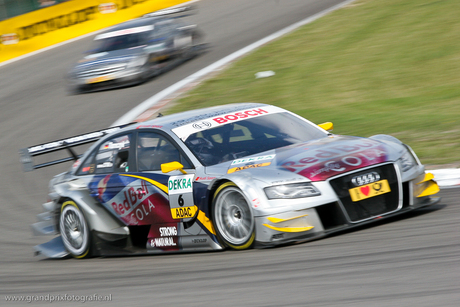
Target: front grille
<point>97,71</point>
<point>370,207</point>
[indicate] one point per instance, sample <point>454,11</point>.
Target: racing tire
<point>74,230</point>
<point>233,218</point>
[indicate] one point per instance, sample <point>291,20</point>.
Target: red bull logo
<point>102,186</point>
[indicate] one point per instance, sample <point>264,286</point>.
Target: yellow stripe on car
<point>155,183</point>
<point>278,220</point>
<point>289,229</point>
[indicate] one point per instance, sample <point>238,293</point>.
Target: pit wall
<point>55,24</point>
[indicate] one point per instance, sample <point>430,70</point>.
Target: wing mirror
<point>328,126</point>
<point>172,166</point>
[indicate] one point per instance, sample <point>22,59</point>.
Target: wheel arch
<point>98,218</point>
<point>239,182</point>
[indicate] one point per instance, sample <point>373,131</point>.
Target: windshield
<point>120,42</point>
<point>249,137</point>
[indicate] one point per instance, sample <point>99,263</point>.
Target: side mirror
<point>172,166</point>
<point>328,126</point>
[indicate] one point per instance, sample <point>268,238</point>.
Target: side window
<point>154,149</point>
<point>112,155</point>
<point>88,167</point>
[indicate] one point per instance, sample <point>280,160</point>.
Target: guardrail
<point>52,25</point>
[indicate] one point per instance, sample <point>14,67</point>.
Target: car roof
<point>139,22</point>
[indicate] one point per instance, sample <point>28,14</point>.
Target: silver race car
<point>136,50</point>
<point>233,176</point>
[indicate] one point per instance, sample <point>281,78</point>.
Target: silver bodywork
<point>329,163</point>
<point>132,52</point>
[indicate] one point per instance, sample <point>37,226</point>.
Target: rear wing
<point>26,154</point>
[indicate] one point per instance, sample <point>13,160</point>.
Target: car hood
<point>316,160</point>
<point>109,58</point>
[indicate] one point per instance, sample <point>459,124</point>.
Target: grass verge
<point>375,66</point>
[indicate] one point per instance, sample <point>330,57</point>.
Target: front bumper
<point>119,79</point>
<point>298,225</point>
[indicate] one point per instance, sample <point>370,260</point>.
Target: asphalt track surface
<point>411,260</point>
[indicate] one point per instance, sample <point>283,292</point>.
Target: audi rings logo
<point>202,125</point>
<point>365,179</point>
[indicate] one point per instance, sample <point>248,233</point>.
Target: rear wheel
<point>233,217</point>
<point>74,230</point>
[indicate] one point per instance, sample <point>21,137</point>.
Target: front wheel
<point>233,217</point>
<point>74,230</point>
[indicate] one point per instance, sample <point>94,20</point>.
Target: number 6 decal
<point>180,190</point>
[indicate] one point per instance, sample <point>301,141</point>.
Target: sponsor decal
<point>255,159</point>
<point>180,184</point>
<point>56,23</point>
<point>107,8</point>
<point>164,237</point>
<point>255,202</point>
<point>369,190</point>
<point>68,19</point>
<point>207,178</point>
<point>214,120</point>
<point>76,164</point>
<point>86,169</point>
<point>168,231</point>
<point>131,197</point>
<point>136,202</point>
<point>184,212</point>
<point>9,39</point>
<point>321,164</point>
<point>120,145</point>
<point>102,187</point>
<point>241,168</point>
<point>240,115</point>
<point>196,241</point>
<point>162,242</point>
<point>202,125</point>
<point>105,165</point>
<point>365,179</point>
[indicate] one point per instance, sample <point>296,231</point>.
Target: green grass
<point>375,66</point>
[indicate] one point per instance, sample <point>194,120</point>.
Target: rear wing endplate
<point>26,154</point>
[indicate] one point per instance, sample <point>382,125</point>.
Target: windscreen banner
<point>61,22</point>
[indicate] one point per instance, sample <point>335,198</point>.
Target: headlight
<point>138,61</point>
<point>295,190</point>
<point>407,161</point>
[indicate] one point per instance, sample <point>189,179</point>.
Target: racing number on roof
<point>180,190</point>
